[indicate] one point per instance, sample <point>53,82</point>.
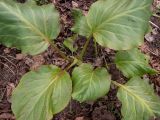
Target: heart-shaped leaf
<point>90,84</point>
<point>117,24</point>
<point>133,63</point>
<point>41,94</point>
<point>28,27</point>
<point>139,102</point>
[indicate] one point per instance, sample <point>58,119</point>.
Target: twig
<point>154,24</point>
<point>152,52</point>
<point>8,60</point>
<point>11,57</point>
<point>8,68</point>
<point>155,15</point>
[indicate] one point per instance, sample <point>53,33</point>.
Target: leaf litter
<point>106,108</point>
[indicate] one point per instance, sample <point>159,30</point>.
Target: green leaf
<point>139,102</point>
<point>31,2</point>
<point>117,24</point>
<point>133,63</point>
<point>41,94</point>
<point>90,84</point>
<point>27,27</point>
<point>69,43</point>
<point>80,23</point>
<point>77,14</point>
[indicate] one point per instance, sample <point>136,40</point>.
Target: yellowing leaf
<point>41,94</point>
<point>28,27</point>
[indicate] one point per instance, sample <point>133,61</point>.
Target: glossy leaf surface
<point>90,84</point>
<point>41,94</point>
<point>117,24</point>
<point>28,27</point>
<point>139,102</point>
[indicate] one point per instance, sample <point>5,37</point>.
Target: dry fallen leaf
<point>20,56</point>
<point>74,4</point>
<point>79,118</point>
<point>9,89</point>
<point>6,116</point>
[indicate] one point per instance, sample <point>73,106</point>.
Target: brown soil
<point>13,65</point>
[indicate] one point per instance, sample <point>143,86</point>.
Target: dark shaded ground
<point>13,65</point>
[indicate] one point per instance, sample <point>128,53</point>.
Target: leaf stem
<point>72,64</point>
<point>59,52</point>
<point>116,83</point>
<point>84,48</point>
<point>95,46</point>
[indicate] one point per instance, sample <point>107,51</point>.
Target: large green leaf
<point>28,27</point>
<point>41,94</point>
<point>90,84</point>
<point>117,24</point>
<point>133,63</point>
<point>139,102</point>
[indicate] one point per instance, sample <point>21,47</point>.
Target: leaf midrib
<point>119,15</point>
<point>136,96</point>
<point>59,74</point>
<point>32,27</point>
<point>131,61</point>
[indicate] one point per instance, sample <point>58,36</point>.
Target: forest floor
<point>13,65</point>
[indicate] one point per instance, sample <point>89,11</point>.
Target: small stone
<point>74,4</point>
<point>149,37</point>
<point>6,50</point>
<point>79,118</point>
<point>20,56</point>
